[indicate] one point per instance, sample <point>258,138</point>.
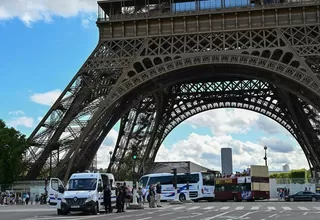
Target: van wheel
<point>95,210</point>
<point>291,199</point>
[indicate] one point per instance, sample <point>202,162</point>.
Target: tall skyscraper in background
<point>226,161</point>
<point>286,168</point>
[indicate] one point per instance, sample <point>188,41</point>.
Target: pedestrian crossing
<point>240,208</point>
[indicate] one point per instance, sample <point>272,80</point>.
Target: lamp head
<point>265,147</point>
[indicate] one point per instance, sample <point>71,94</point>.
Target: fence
<point>207,6</point>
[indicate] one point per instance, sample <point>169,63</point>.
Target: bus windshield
<point>208,179</point>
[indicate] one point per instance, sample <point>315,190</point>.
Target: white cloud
<point>205,150</point>
<point>18,112</point>
<point>21,121</point>
<point>35,10</point>
<point>47,98</point>
<point>225,121</point>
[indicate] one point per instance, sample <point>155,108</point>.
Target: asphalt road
<point>199,211</point>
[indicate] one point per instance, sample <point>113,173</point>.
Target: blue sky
<point>42,50</point>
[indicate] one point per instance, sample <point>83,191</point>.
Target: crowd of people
<point>124,196</point>
<point>237,174</point>
<point>13,198</point>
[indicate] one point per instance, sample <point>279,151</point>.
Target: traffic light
<point>134,152</point>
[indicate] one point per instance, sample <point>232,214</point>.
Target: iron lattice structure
<point>155,71</point>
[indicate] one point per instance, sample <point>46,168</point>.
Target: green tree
<point>13,145</point>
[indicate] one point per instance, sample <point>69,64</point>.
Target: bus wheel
<point>182,197</point>
<point>235,198</point>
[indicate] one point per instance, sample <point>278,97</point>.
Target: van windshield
<point>82,184</point>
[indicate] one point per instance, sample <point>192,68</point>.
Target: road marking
<point>271,208</point>
<point>170,213</point>
<point>216,216</point>
<point>179,207</point>
<point>318,208</point>
<point>303,208</point>
<point>148,213</point>
<point>287,208</point>
<point>249,213</point>
<point>225,207</point>
<point>239,208</point>
<point>209,207</point>
<point>195,207</point>
<point>144,218</point>
<point>254,207</point>
<point>272,215</point>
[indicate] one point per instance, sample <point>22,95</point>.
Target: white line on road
<point>239,208</point>
<point>179,207</point>
<point>225,207</point>
<point>303,208</point>
<point>195,207</point>
<point>144,218</point>
<point>208,208</point>
<point>170,213</point>
<point>272,215</point>
<point>249,213</point>
<point>318,208</point>
<point>216,216</point>
<point>271,208</point>
<point>287,208</point>
<point>254,207</point>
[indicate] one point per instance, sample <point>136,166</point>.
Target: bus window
<point>208,179</point>
<point>191,178</point>
<point>165,180</point>
<point>154,180</point>
<point>143,181</point>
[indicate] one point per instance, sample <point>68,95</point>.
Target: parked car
<point>303,196</point>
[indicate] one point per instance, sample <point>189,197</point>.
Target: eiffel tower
<point>159,62</point>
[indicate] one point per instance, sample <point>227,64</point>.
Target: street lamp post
<point>265,155</point>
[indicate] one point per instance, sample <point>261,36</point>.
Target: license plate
<point>75,206</point>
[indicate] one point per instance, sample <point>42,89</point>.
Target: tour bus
<point>201,185</point>
<point>253,184</point>
<point>84,192</point>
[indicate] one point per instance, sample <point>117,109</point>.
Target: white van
<point>84,192</point>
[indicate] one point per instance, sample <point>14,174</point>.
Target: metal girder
<point>154,77</point>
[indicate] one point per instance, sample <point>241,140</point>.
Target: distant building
<point>286,168</point>
<point>182,167</point>
<point>226,161</point>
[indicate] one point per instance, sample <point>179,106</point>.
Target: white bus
<point>201,185</point>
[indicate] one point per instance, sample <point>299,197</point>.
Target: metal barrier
<point>209,8</point>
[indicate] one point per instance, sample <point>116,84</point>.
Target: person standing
<point>118,198</point>
<point>107,199</point>
<point>152,194</point>
<point>158,194</point>
<point>123,196</point>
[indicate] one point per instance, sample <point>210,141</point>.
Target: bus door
<point>54,195</point>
